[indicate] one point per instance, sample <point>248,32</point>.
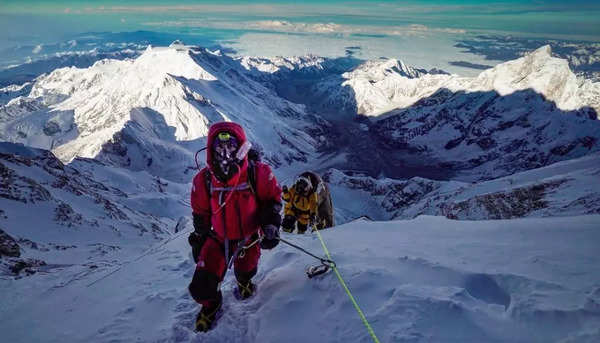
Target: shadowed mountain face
<point>444,127</point>
<point>465,136</point>
<point>482,135</point>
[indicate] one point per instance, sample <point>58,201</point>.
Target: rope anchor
<point>313,271</point>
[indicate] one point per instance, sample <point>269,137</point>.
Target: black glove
<point>271,231</point>
<point>271,238</point>
<point>201,224</point>
<point>196,241</point>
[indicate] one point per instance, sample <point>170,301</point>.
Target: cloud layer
<point>301,27</point>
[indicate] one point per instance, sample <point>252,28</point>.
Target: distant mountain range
<point>352,120</point>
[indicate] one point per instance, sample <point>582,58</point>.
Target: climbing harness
<point>246,247</point>
<point>241,248</point>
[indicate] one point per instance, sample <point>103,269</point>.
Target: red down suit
<point>236,213</point>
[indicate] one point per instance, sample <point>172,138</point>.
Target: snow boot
<point>208,316</point>
<point>288,224</point>
<point>302,228</point>
<point>246,289</point>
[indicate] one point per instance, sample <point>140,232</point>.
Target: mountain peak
<point>177,44</point>
<point>545,51</point>
<point>538,70</point>
<point>176,60</point>
<point>378,70</point>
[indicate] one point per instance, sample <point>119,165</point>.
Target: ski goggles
<point>225,145</point>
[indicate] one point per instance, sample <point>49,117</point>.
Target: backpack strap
<point>208,185</point>
<point>251,180</point>
<point>252,177</point>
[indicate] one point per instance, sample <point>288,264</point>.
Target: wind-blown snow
<point>424,280</point>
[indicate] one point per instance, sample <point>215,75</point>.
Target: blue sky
<point>413,30</point>
<point>521,17</point>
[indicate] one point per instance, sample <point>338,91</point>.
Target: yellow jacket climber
<point>301,205</point>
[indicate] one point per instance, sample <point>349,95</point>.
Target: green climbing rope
<point>339,276</point>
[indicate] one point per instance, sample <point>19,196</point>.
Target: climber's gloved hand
<point>196,241</point>
<point>271,238</point>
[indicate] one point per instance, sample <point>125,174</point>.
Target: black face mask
<point>227,165</point>
<point>224,150</point>
<point>302,187</point>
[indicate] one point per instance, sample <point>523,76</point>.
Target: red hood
<point>231,127</point>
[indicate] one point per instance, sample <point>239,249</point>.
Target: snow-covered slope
<point>567,188</point>
<point>424,280</point>
<point>78,213</point>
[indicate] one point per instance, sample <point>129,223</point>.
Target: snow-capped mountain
<point>583,56</point>
<point>516,116</point>
<point>329,84</point>
<point>519,115</point>
<point>27,72</point>
<point>268,68</point>
<point>377,87</point>
<point>169,96</point>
